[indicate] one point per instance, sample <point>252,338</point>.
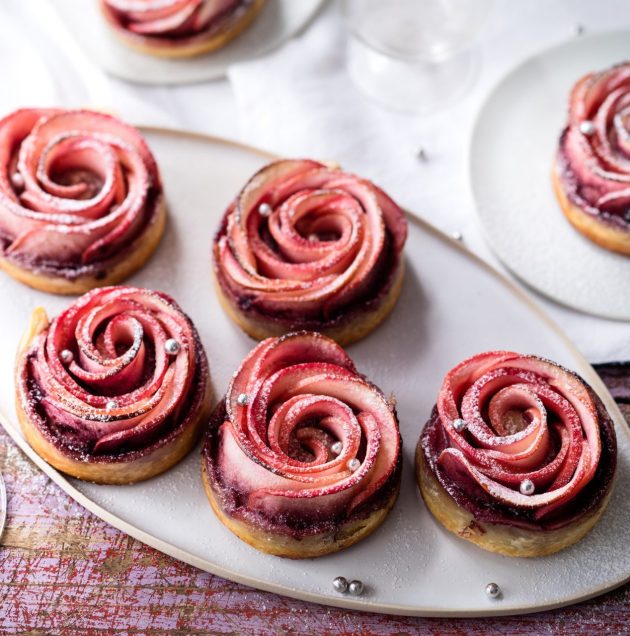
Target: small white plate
<point>511,155</point>
<point>278,21</point>
<point>452,306</point>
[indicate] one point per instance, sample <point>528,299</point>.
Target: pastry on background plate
<point>591,173</point>
<point>179,28</point>
<point>518,456</point>
<point>307,246</point>
<point>116,388</point>
<point>81,202</point>
<point>303,455</point>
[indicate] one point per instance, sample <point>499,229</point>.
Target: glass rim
<point>374,43</point>
<point>389,51</point>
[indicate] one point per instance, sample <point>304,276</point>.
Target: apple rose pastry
<point>179,28</point>
<point>116,388</point>
<point>307,246</point>
<point>591,175</point>
<point>81,202</point>
<point>518,456</point>
<point>303,456</point>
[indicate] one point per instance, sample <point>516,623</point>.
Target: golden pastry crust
<point>138,254</point>
<point>593,228</point>
<point>194,49</point>
<point>344,334</point>
<point>507,540</point>
<point>138,468</point>
<point>283,545</point>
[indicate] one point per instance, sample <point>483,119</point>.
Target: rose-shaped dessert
<point>116,388</point>
<point>303,456</point>
<point>518,456</point>
<point>179,28</point>
<point>307,246</point>
<point>591,174</point>
<point>81,202</point>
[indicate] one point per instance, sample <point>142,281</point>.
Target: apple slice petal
<point>76,186</point>
<point>304,237</point>
<point>510,418</point>
<point>305,434</point>
<point>593,161</point>
<point>103,373</point>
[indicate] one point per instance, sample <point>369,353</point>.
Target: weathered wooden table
<point>63,571</point>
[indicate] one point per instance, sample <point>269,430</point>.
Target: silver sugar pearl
<point>421,154</point>
<point>172,347</point>
<point>340,584</point>
<point>459,424</point>
<point>242,399</point>
<point>17,180</point>
<point>355,588</point>
<point>66,356</point>
<point>264,209</point>
<point>336,448</point>
<point>353,464</point>
<point>493,590</point>
<point>111,405</point>
<point>527,487</point>
<point>587,127</point>
<point>458,236</point>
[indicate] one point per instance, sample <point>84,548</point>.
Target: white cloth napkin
<point>300,101</point>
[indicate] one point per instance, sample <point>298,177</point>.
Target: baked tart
<point>591,173</point>
<point>306,246</point>
<point>518,455</point>
<point>81,201</point>
<point>303,455</point>
<point>179,28</point>
<point>116,388</point>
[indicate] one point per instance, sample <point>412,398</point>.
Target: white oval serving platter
<point>511,155</point>
<point>278,21</point>
<point>452,306</point>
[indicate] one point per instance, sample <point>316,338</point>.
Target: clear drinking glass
<point>413,55</point>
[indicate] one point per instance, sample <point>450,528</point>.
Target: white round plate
<point>278,21</point>
<point>452,306</point>
<point>511,154</point>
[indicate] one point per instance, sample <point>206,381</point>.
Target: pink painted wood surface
<point>64,571</point>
